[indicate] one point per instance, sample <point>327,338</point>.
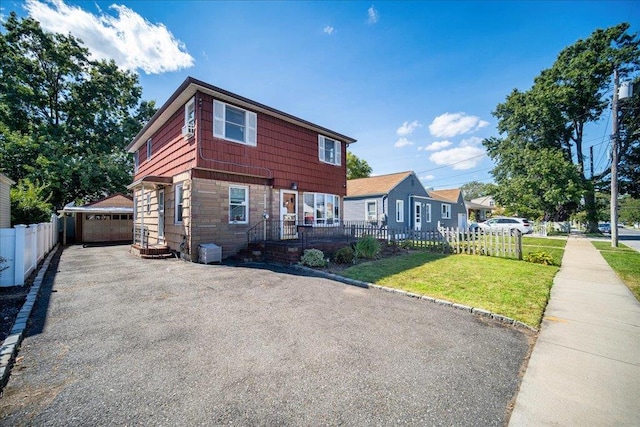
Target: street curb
<point>472,310</point>
<point>11,343</point>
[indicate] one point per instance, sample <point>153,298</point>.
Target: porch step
<point>151,252</point>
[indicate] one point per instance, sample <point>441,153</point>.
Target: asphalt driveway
<point>119,340</point>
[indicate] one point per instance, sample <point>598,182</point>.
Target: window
<point>136,161</point>
<point>190,114</point>
<point>238,204</point>
<point>148,148</point>
<point>321,209</point>
<point>234,124</point>
<point>399,210</point>
<point>179,203</point>
<point>329,150</point>
<point>446,211</point>
<point>370,210</point>
<point>427,213</point>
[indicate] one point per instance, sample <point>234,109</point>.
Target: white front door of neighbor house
<point>161,216</point>
<point>288,214</point>
<point>417,216</point>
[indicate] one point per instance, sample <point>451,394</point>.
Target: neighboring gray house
<point>451,210</point>
<point>399,200</point>
<point>481,208</point>
<point>5,201</point>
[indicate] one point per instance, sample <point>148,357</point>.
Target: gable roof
<point>189,88</point>
<point>450,195</point>
<point>6,180</point>
<point>375,185</point>
<point>115,200</point>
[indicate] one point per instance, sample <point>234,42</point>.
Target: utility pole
<point>614,161</point>
<point>591,160</point>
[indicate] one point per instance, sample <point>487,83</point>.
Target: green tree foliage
<point>474,189</point>
<point>629,210</point>
<point>629,166</point>
<point>64,118</point>
<point>30,203</point>
<point>548,121</point>
<point>357,168</point>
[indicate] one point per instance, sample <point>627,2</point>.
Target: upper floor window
<point>148,148</point>
<point>329,150</point>
<point>189,118</point>
<point>234,124</point>
<point>399,210</point>
<point>136,161</point>
<point>446,211</point>
<point>238,204</point>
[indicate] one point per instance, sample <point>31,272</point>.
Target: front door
<point>417,216</point>
<point>161,216</point>
<point>288,214</point>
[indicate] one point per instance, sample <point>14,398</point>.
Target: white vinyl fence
<point>22,248</point>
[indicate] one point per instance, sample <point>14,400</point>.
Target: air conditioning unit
<point>187,131</point>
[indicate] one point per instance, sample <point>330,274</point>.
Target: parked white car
<point>507,223</point>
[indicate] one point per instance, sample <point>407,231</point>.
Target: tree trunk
<point>591,209</point>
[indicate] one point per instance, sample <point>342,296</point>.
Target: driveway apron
<point>117,340</point>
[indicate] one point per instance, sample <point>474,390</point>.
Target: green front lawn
<point>554,247</point>
<point>516,289</point>
<point>625,261</point>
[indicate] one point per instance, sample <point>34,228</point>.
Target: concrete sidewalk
<point>585,366</point>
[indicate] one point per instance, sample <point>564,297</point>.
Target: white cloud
<point>328,29</point>
<point>426,177</point>
<point>402,142</point>
<point>459,158</point>
<point>373,15</point>
<point>435,146</point>
<point>408,128</point>
<point>474,141</point>
<point>452,124</point>
<point>129,39</point>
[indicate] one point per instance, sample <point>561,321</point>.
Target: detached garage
<point>107,220</point>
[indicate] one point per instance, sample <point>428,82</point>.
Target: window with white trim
<point>179,201</point>
<point>370,210</point>
<point>321,209</point>
<point>329,150</point>
<point>190,113</point>
<point>399,210</point>
<point>148,148</point>
<point>234,124</point>
<point>427,213</point>
<point>446,211</point>
<point>238,204</point>
<point>136,161</point>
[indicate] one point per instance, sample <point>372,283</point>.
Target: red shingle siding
<point>285,152</point>
<point>170,153</point>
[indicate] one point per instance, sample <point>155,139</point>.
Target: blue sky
<point>414,82</point>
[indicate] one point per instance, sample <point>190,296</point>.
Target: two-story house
<point>210,165</point>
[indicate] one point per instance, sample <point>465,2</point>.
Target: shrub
<point>313,258</point>
<point>539,258</point>
<point>367,247</point>
<point>344,255</point>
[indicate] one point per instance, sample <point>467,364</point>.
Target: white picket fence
<point>22,248</point>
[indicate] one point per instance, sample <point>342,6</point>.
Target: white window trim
<point>250,123</point>
<point>427,212</point>
<point>191,104</point>
<point>136,161</point>
<point>178,190</point>
<point>399,210</point>
<point>149,149</point>
<point>336,204</point>
<point>321,150</point>
<point>366,209</point>
<point>245,204</point>
<point>446,211</point>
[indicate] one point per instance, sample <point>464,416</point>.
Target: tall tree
<point>357,168</point>
<point>552,116</point>
<point>474,189</point>
<point>65,119</point>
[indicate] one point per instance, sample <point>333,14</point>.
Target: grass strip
<point>625,261</point>
<point>516,289</point>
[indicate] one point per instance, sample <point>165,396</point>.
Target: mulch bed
<point>11,300</point>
